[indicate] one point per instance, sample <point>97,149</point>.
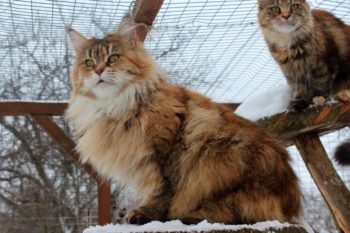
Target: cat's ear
<point>78,40</point>
<point>127,29</point>
<point>261,3</point>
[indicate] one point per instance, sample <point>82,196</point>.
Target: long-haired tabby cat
<point>187,157</point>
<point>311,46</point>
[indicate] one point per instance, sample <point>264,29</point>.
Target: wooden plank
<point>104,202</point>
<point>144,12</point>
<point>15,108</point>
<point>326,178</point>
<point>63,140</point>
<point>327,118</point>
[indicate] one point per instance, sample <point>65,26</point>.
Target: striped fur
<point>187,157</point>
<point>311,46</point>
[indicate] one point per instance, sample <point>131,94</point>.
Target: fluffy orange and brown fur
<point>311,46</point>
<point>187,157</point>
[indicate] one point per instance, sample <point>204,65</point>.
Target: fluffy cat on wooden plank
<point>186,156</point>
<point>312,48</point>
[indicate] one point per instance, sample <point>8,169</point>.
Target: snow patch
<point>274,101</point>
<point>177,225</point>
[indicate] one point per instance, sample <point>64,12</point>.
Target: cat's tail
<point>342,153</point>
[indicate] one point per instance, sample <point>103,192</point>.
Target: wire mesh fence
<point>214,47</point>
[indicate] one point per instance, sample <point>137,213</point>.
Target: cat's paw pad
<point>343,95</point>
<point>319,100</point>
<point>137,217</point>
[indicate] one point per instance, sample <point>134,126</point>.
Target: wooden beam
<point>68,146</point>
<point>16,108</point>
<point>52,108</point>
<point>326,178</point>
<point>144,12</point>
<point>104,202</point>
<point>322,119</point>
<point>63,140</point>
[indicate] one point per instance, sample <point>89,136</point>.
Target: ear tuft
<point>127,29</point>
<point>78,40</point>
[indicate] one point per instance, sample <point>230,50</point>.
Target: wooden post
<point>145,11</point>
<point>326,178</point>
<point>62,139</point>
<point>68,145</point>
<point>104,202</point>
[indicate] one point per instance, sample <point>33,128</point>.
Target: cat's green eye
<point>276,10</point>
<point>89,63</point>
<point>113,58</point>
<point>294,7</point>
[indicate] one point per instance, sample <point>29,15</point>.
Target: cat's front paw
<point>298,105</point>
<point>343,96</point>
<point>138,217</point>
<point>319,100</point>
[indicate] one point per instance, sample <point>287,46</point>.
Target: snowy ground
<point>173,226</point>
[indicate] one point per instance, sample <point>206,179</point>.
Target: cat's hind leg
<point>154,209</point>
<point>214,211</point>
<point>156,193</point>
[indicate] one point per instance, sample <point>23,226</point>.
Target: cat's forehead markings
<point>110,48</point>
<point>99,48</point>
<point>284,1</point>
<point>280,2</point>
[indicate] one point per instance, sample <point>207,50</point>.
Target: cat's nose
<point>286,15</point>
<point>99,71</point>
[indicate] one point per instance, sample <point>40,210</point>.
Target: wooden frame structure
<point>301,129</point>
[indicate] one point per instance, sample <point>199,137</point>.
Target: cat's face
<point>284,16</point>
<point>104,67</point>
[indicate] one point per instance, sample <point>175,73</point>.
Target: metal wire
<point>214,47</point>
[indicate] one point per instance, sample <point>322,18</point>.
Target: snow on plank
<point>176,226</point>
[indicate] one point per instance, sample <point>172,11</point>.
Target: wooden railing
<point>302,129</point>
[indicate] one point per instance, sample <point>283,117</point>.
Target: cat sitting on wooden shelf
<point>187,157</point>
<point>312,48</point>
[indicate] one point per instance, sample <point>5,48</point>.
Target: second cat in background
<point>312,48</point>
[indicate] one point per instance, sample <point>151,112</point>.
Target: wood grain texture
<point>322,120</point>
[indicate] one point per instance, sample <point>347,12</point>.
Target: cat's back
<point>326,18</point>
<point>212,120</point>
<point>334,31</point>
